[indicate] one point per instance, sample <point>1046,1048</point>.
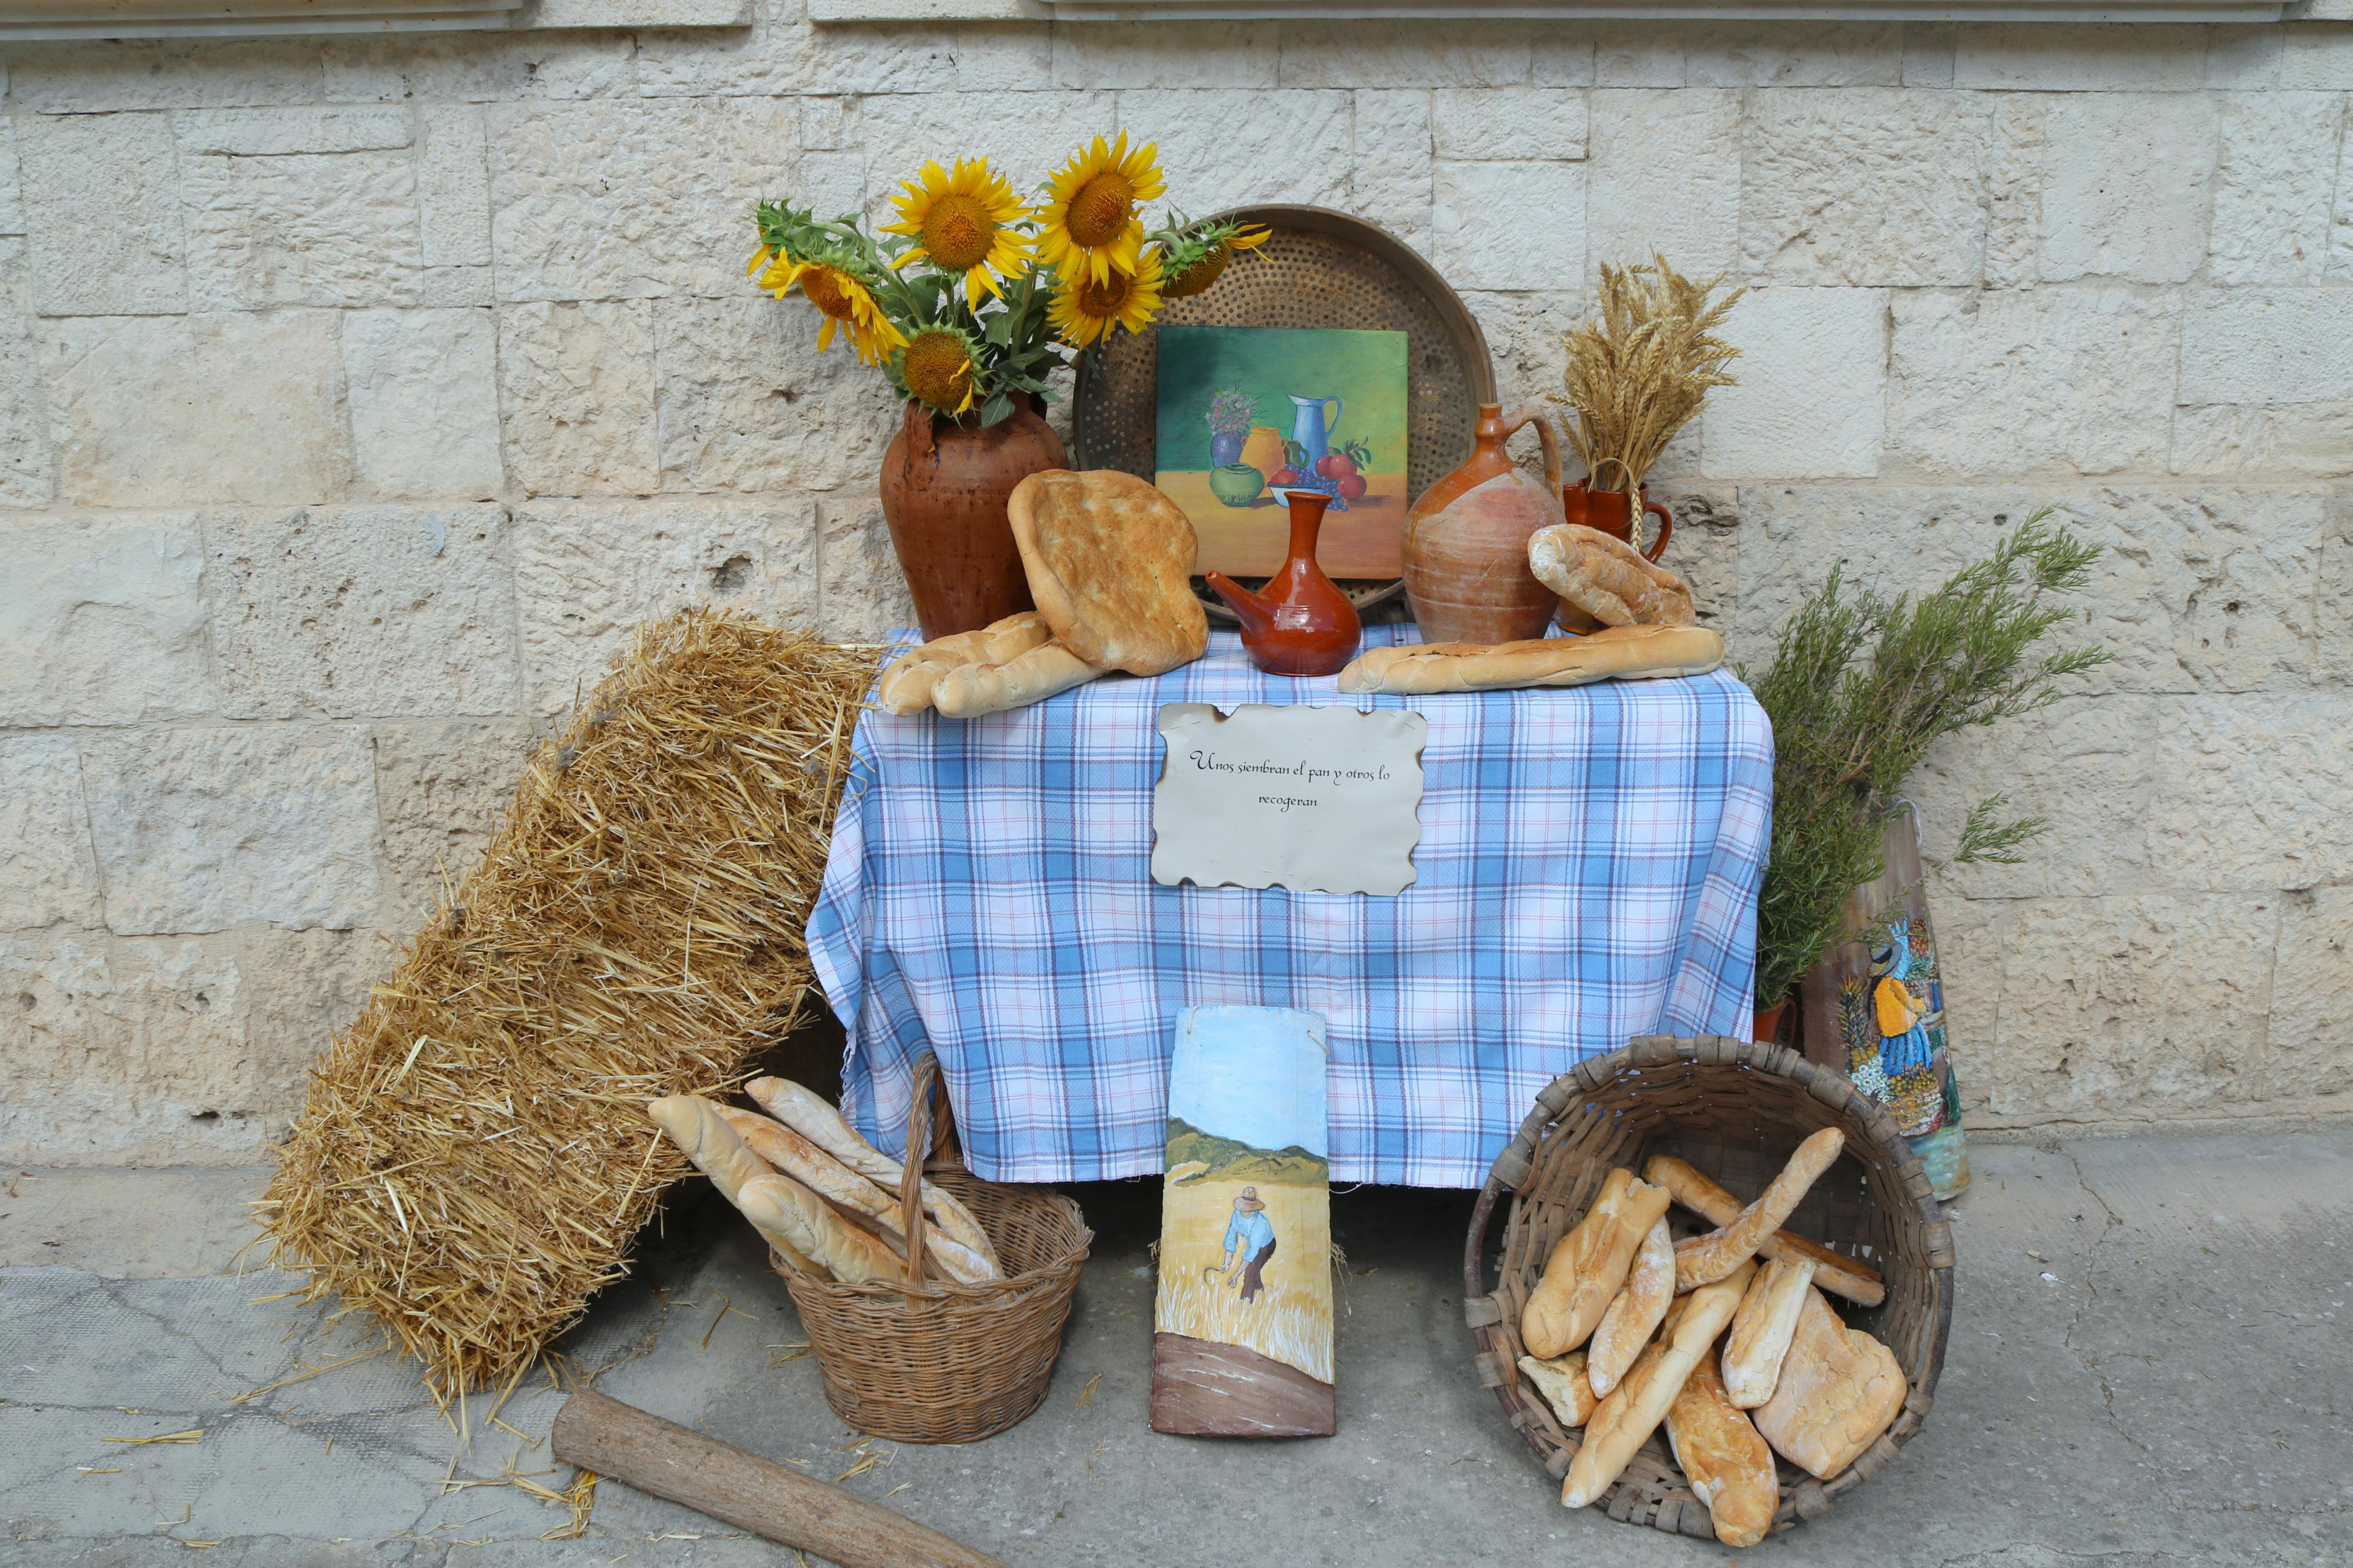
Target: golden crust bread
<point>1704,1259</point>
<point>906,686</point>
<point>1109,562</point>
<point>1626,1326</point>
<point>1586,1266</point>
<point>1614,653</point>
<point>1833,1271</point>
<point>1728,1466</point>
<point>1608,578</point>
<point>1838,1390</point>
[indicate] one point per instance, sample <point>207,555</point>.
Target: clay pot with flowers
<point>967,303</point>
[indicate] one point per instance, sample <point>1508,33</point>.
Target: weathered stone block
<point>1002,57</point>
<point>576,393</point>
<point>27,472</point>
<point>2269,345</point>
<point>1033,134</point>
<point>1392,170</point>
<point>103,620</point>
<point>2060,58</point>
<point>1222,147</point>
<point>1811,394</point>
<point>1664,171</point>
<point>1560,55</point>
<point>1403,54</point>
<point>2317,57</point>
<point>2073,380</point>
<point>46,874</point>
<point>441,790</point>
<point>119,75</point>
<point>1928,54</point>
<point>2334,610</point>
<point>1523,332</point>
<point>140,416</point>
<point>12,185</point>
<point>423,401</point>
<point>269,133</point>
<point>1968,971</point>
<point>2137,1003</point>
<point>453,186</point>
<point>303,229</point>
<point>586,574</point>
<point>1485,124</point>
<point>2243,59</point>
<point>1508,226</point>
<point>2014,242</point>
<point>199,829</point>
<point>2272,187</point>
<point>2127,186</point>
<point>1154,54</point>
<point>475,68</point>
<point>363,612</point>
<point>81,174</point>
<point>782,53</point>
<point>622,200</point>
<point>2310,1031</point>
<point>1637,54</point>
<point>1794,54</point>
<point>1868,186</point>
<point>863,595</point>
<point>2255,793</point>
<point>2313,438</point>
<point>1705,548</point>
<point>747,403</point>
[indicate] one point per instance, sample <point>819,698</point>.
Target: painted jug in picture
<point>1466,539</point>
<point>1312,430</point>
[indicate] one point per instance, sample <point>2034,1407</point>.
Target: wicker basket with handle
<point>1736,1109</point>
<point>929,1360</point>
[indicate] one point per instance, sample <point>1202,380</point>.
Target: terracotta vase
<point>1766,1026</point>
<point>1466,539</point>
<point>944,485</point>
<point>1300,622</point>
<point>1607,511</point>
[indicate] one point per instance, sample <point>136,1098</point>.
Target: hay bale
<point>475,1158</point>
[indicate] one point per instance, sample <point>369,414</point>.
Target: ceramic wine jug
<point>1300,624</point>
<point>1466,539</point>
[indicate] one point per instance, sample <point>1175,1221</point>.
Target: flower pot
<point>1236,484</point>
<point>1225,448</point>
<point>1767,1023</point>
<point>944,485</point>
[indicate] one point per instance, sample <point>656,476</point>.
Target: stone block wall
<point>356,395</point>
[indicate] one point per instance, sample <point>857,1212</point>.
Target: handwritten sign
<point>1313,799</point>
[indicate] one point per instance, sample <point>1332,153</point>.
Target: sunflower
<point>1092,226</point>
<point>962,223</point>
<point>843,300</point>
<point>937,369</point>
<point>1085,309</point>
<point>1190,274</point>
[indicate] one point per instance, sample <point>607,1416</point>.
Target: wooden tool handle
<point>666,1460</point>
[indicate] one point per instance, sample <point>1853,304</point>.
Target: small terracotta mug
<point>1607,511</point>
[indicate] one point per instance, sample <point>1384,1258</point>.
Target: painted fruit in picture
<point>1242,1321</point>
<point>1317,409</point>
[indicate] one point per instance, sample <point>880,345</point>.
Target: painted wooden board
<point>1242,1340</point>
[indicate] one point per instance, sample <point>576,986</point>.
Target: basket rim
<point>1050,1272</point>
<point>1515,1166</point>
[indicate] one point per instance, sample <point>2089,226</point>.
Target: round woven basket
<point>1736,1109</point>
<point>930,1359</point>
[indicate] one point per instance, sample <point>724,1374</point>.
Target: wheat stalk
<point>1638,373</point>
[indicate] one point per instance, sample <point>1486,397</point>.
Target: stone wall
<point>357,396</point>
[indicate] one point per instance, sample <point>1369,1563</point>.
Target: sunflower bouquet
<point>973,298</point>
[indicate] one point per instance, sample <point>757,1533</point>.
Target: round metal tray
<point>1319,269</point>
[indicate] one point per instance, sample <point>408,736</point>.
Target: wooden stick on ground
<point>666,1460</point>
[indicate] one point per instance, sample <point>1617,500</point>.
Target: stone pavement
<point>2149,1366</point>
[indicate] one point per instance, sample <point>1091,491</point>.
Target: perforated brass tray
<point>1319,269</point>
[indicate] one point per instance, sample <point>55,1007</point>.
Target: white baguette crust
<point>1633,1410</point>
<point>1608,578</point>
<point>906,687</point>
<point>1722,1455</point>
<point>973,689</point>
<point>1586,1267</point>
<point>1833,1271</point>
<point>1627,1326</point>
<point>849,1254</point>
<point>1704,1259</point>
<point>1761,1332</point>
<point>1614,653</point>
<point>809,1114</point>
<point>696,1126</point>
<point>793,1156</point>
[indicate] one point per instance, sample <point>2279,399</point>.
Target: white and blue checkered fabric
<point>1588,872</point>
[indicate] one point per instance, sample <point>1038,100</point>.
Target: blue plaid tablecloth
<point>1588,871</point>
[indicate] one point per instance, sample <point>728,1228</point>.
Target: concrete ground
<point>2149,1365</point>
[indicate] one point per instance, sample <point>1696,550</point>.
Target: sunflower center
<point>938,369</point>
<point>1106,297</point>
<point>1100,211</point>
<point>826,290</point>
<point>957,232</point>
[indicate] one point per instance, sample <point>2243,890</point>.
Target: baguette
<point>972,690</point>
<point>1588,1264</point>
<point>809,1115</point>
<point>1761,1330</point>
<point>1704,1259</point>
<point>1833,1271</point>
<point>906,687</point>
<point>1633,1411</point>
<point>1839,1390</point>
<point>1565,1384</point>
<point>1627,1326</point>
<point>782,1206</point>
<point>697,1127</point>
<point>1725,1459</point>
<point>1608,578</point>
<point>1614,653</point>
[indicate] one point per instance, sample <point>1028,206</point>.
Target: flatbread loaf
<point>1110,562</point>
<point>1608,578</point>
<point>1614,653</point>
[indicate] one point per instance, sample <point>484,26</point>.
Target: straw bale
<point>475,1158</point>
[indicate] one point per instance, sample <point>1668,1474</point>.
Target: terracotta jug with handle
<point>1615,513</point>
<point>1466,539</point>
<point>1300,624</point>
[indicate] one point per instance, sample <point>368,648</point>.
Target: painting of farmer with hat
<point>1250,1242</point>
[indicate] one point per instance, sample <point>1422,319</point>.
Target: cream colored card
<point>1313,799</point>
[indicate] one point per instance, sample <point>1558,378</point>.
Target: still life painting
<point>1247,415</point>
<point>1242,1340</point>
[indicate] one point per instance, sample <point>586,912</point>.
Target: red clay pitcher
<point>1466,539</point>
<point>1300,624</point>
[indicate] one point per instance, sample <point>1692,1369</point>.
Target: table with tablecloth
<point>1588,872</point>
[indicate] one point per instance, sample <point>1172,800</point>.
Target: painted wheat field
<point>1291,1320</point>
